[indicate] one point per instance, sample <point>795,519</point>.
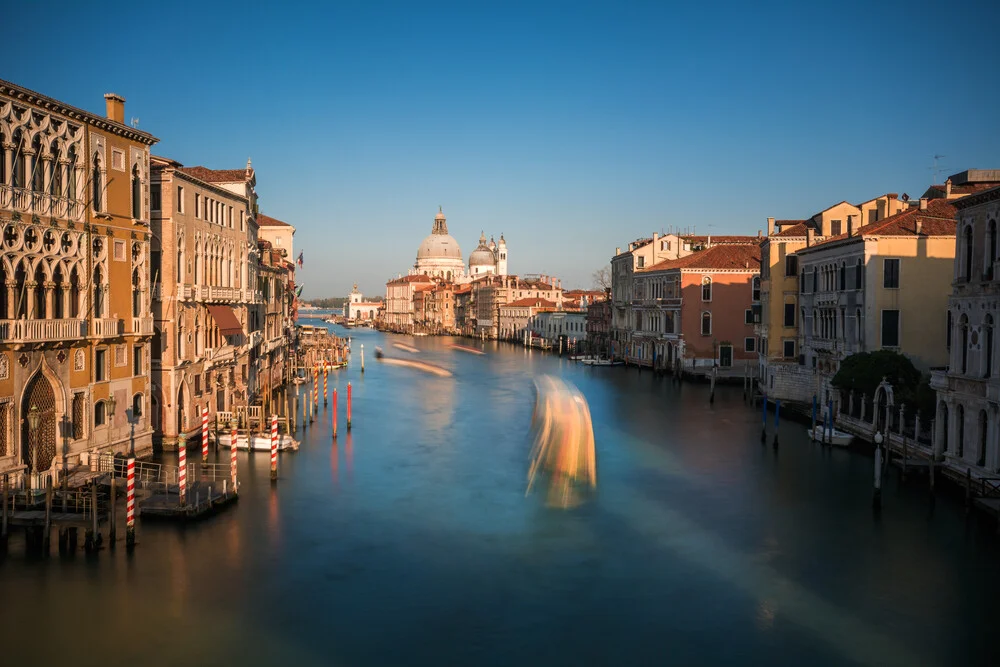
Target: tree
<point>602,278</point>
<point>862,373</point>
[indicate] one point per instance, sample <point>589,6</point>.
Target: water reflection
<point>700,539</point>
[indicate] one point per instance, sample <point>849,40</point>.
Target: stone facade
<point>75,327</point>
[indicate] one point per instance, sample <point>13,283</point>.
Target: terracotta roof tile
<point>791,228</point>
<point>937,220</point>
<point>268,221</point>
<point>215,175</point>
<point>726,256</point>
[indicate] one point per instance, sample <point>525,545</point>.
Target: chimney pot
<point>947,189</point>
<point>115,107</point>
<point>770,225</point>
<point>923,203</point>
<point>809,236</point>
<point>919,224</point>
<point>850,225</point>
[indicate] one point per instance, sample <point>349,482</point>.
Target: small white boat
<point>833,436</point>
<point>600,362</point>
<point>260,442</point>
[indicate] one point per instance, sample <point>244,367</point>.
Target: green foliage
<point>863,372</point>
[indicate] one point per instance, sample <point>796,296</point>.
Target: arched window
<point>756,288</point>
<point>136,294</point>
<point>98,292</point>
<point>97,179</point>
<point>860,326</point>
<point>17,164</point>
<point>991,247</point>
<point>947,335</point>
<point>100,416</point>
<point>843,276</point>
<point>71,173</point>
<point>706,288</point>
<point>960,439</point>
<point>963,325</point>
<point>944,427</point>
<point>988,342</point>
<point>967,252</point>
<point>137,402</point>
<point>802,281</point>
<point>859,276</point>
<point>37,168</point>
<point>136,194</point>
<point>983,430</point>
<point>706,324</point>
<point>55,171</point>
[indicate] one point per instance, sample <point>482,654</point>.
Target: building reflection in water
<point>178,575</point>
<point>232,539</point>
<point>335,464</point>
<point>438,396</point>
<point>765,614</point>
<point>349,453</point>
<point>273,520</point>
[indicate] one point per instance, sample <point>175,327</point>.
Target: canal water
<point>410,541</point>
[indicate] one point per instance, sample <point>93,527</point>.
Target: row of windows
<point>206,208</point>
<point>101,410</point>
<point>101,361</point>
<point>834,278</point>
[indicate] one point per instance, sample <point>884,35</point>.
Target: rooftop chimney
<point>809,236</point>
<point>618,251</point>
<point>758,233</point>
<point>850,225</point>
<point>918,225</point>
<point>923,203</point>
<point>770,226</point>
<point>115,106</point>
<point>947,189</point>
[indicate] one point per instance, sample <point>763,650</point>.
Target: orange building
<point>75,319</point>
<point>697,310</point>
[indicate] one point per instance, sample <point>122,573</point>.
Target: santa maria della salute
<point>439,256</point>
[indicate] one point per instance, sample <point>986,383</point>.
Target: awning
<point>228,323</point>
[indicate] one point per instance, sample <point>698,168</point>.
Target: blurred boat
<point>600,362</point>
<point>563,454</point>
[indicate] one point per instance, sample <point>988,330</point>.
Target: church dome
<point>439,246</point>
<point>482,255</point>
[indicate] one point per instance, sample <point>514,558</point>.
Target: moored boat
<point>833,436</point>
<point>259,442</point>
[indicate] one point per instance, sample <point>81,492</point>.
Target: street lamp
<point>34,418</point>
<point>109,406</point>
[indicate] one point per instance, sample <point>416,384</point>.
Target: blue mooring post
<point>777,414</point>
<point>763,419</point>
<point>812,433</point>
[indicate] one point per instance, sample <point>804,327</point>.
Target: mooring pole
<point>777,416</point>
<point>130,506</point>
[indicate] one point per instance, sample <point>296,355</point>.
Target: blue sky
<point>571,127</point>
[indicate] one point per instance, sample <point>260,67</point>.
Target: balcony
<point>41,331</point>
<point>40,203</point>
<point>142,326</point>
<point>108,327</point>
<point>223,294</point>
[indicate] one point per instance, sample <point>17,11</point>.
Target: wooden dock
<point>203,498</point>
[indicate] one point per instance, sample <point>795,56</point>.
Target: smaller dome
<point>482,255</point>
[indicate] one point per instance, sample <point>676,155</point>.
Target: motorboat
<point>259,442</point>
<point>601,362</point>
<point>834,436</point>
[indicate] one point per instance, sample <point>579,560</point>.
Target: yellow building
<point>781,371</point>
<point>883,286</point>
<point>75,321</point>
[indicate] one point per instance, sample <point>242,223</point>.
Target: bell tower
<point>501,257</point>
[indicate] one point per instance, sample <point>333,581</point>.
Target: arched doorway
<point>181,425</point>
<point>37,452</point>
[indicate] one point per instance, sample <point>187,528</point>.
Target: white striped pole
<point>232,454</point>
<point>274,449</point>
<point>204,434</point>
<point>182,459</point>
<point>130,506</point>
<point>315,386</point>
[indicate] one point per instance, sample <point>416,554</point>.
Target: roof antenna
<point>937,169</point>
<point>135,122</point>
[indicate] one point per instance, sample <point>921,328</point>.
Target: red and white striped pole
<point>204,434</point>
<point>182,460</point>
<point>274,449</point>
<point>130,506</point>
<point>334,417</point>
<point>232,454</point>
<point>315,386</point>
<point>348,406</point>
<point>325,372</point>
